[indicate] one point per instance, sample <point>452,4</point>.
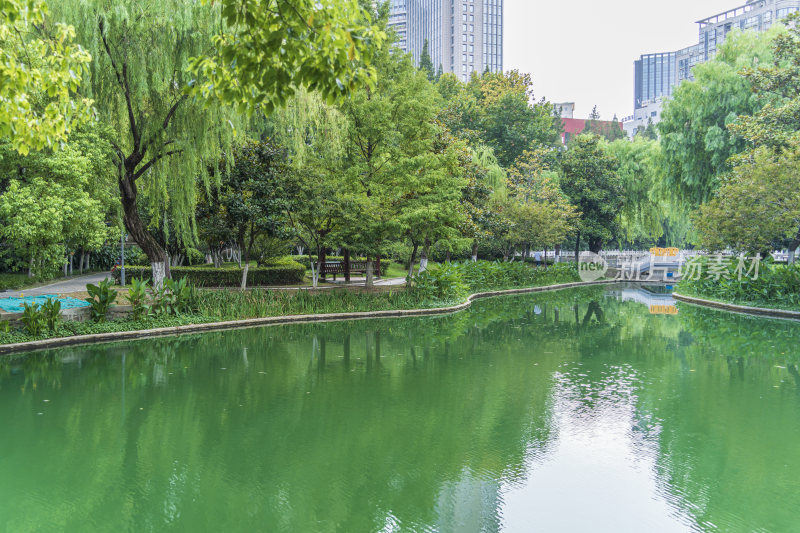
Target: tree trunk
<point>447,256</point>
<point>244,271</point>
<point>321,262</point>
<point>80,264</point>
<point>378,266</point>
<point>413,260</point>
<point>793,249</point>
<point>474,251</point>
<point>138,231</point>
<point>595,245</point>
<point>423,258</point>
<point>369,283</point>
<point>314,269</point>
<point>578,247</point>
<point>545,257</point>
<point>30,268</point>
<point>347,264</point>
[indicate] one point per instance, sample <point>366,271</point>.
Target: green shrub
<point>445,283</point>
<point>453,281</point>
<point>5,326</point>
<point>52,313</point>
<point>33,319</point>
<point>777,285</point>
<point>283,272</point>
<point>137,297</point>
<point>101,298</point>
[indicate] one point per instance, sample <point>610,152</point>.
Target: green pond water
<point>592,410</point>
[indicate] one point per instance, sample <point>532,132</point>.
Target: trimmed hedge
<point>283,273</point>
<point>303,260</point>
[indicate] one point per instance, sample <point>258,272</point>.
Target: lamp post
<point>122,260</point>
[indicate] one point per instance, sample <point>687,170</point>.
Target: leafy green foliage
<point>444,283</point>
<point>269,49</point>
<point>452,282</point>
<point>33,319</point>
<point>776,122</point>
<point>51,309</point>
<point>284,272</point>
<point>249,202</point>
<point>425,63</point>
<point>757,206</point>
<point>40,72</point>
<point>591,182</point>
<point>694,127</point>
<point>494,109</point>
<point>777,286</point>
<point>175,298</point>
<point>101,298</point>
<point>138,298</point>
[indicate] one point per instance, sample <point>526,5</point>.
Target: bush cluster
<point>776,285</point>
<point>454,281</point>
<point>283,272</point>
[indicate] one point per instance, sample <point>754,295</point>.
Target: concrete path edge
<point>276,320</point>
<point>742,309</point>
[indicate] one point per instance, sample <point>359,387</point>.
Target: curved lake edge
<point>763,312</point>
<point>98,338</point>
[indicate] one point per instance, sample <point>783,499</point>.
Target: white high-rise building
<point>656,75</point>
<point>464,36</point>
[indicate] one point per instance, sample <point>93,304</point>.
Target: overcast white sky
<point>583,51</point>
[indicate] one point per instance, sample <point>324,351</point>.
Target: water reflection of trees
<point>348,425</point>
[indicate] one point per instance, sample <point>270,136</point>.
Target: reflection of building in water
<point>657,302</point>
<point>469,504</point>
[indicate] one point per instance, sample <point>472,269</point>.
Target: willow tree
<point>161,139</point>
<point>143,52</point>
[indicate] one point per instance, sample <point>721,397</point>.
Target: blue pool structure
<point>15,305</point>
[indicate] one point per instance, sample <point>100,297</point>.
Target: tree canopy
<point>41,68</point>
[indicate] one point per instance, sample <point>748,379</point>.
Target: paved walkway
<point>76,284</point>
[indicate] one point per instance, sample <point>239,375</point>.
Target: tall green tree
<point>162,140</point>
<point>425,62</point>
<point>756,207</point>
<point>498,110</point>
<point>646,203</point>
<point>315,191</point>
<point>75,178</point>
<point>541,214</point>
<point>694,127</point>
<point>776,121</point>
<point>250,197</point>
<point>591,181</point>
<point>391,147</point>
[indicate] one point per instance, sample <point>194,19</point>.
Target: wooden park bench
<point>335,268</point>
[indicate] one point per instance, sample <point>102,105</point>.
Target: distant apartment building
<point>564,109</point>
<point>657,75</point>
<point>464,36</point>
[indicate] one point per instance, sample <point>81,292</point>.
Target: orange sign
<point>665,252</point>
<point>663,310</point>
